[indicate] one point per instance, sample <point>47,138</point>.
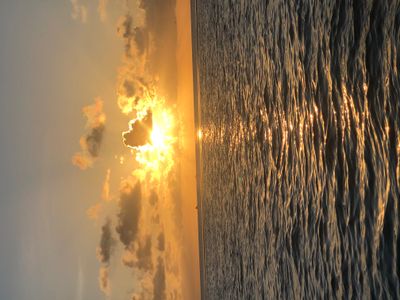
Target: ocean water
<point>300,149</point>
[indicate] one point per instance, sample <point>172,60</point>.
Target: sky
<point>56,58</point>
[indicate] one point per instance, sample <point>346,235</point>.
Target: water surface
<point>300,113</point>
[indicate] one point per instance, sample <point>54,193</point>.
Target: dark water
<point>300,110</point>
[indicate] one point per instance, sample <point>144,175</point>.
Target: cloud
<point>128,259</point>
<point>144,255</point>
<point>136,39</point>
<point>161,241</point>
<point>141,38</point>
<point>91,142</point>
<point>129,88</point>
<point>125,30</point>
<point>153,198</point>
<point>107,243</point>
<point>94,113</point>
<point>105,195</point>
<point>94,211</point>
<point>140,258</point>
<point>82,161</point>
<point>102,9</point>
<point>128,216</point>
<point>149,66</point>
<point>104,281</point>
<point>79,11</point>
<point>144,294</point>
<point>139,131</point>
<point>159,284</point>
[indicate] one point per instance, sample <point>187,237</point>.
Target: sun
<point>163,126</point>
<point>157,137</point>
<point>156,156</point>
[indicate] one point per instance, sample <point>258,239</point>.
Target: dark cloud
<point>128,217</point>
<point>161,241</point>
<point>139,132</point>
<point>125,30</point>
<point>129,88</point>
<point>141,37</point>
<point>133,86</point>
<point>159,284</point>
<point>133,36</point>
<point>93,140</point>
<point>153,198</point>
<point>144,255</point>
<point>106,243</point>
<point>160,54</point>
<point>143,260</point>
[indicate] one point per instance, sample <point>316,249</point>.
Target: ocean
<point>298,103</point>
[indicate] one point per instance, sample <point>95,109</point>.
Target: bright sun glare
<point>156,158</point>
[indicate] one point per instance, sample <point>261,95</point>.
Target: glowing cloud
<point>104,281</point>
<point>145,224</point>
<point>82,161</point>
<point>153,150</point>
<point>102,9</point>
<point>94,211</point>
<point>79,11</point>
<point>90,142</point>
<point>105,195</point>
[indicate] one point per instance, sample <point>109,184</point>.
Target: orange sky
<point>188,167</point>
<point>156,68</point>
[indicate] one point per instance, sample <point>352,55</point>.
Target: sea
<point>298,104</point>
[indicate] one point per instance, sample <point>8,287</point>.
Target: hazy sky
<point>50,66</point>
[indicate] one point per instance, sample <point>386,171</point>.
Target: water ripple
<point>300,117</point>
